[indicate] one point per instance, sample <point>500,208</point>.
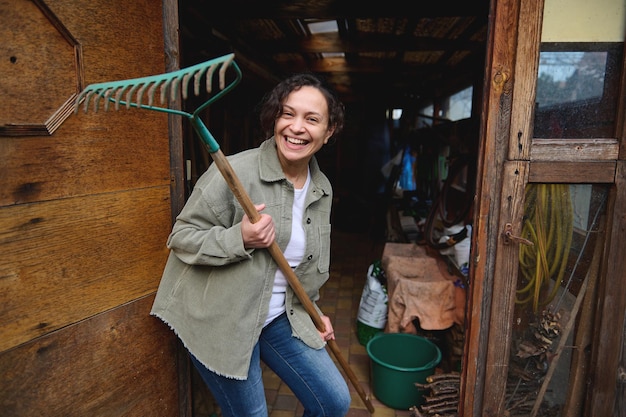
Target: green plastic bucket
<point>399,360</point>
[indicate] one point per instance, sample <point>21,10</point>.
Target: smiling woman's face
<point>302,127</point>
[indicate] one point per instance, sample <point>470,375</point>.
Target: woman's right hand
<point>260,234</point>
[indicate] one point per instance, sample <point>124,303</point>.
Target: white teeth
<point>296,141</point>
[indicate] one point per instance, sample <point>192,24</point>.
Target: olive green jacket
<point>214,293</point>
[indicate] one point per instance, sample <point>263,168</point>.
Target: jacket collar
<point>270,170</point>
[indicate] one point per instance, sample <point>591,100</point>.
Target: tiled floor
<point>352,254</point>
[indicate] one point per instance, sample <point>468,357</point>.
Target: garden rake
<point>133,92</point>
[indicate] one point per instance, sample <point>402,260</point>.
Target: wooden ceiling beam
<point>339,9</point>
<point>333,42</point>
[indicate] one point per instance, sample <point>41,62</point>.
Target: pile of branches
<point>443,396</point>
<point>541,336</point>
<point>529,366</point>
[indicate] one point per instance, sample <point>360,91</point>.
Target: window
<point>459,105</point>
<point>576,90</point>
<point>325,26</point>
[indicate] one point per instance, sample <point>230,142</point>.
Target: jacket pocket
<point>323,265</point>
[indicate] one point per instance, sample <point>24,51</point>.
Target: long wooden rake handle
<point>236,187</point>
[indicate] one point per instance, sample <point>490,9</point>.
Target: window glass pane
<point>459,105</point>
<point>567,77</point>
<point>579,68</point>
<point>576,90</point>
<point>551,322</point>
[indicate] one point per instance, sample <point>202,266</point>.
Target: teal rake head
<point>140,92</point>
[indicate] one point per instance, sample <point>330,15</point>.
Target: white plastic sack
<point>373,305</point>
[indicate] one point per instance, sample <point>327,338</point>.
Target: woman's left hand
<point>329,334</point>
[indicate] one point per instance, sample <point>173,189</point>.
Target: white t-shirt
<point>294,252</point>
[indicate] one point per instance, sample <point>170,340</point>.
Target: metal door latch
<point>509,236</point>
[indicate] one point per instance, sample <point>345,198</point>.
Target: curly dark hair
<point>272,104</point>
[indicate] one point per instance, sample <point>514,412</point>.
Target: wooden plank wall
<point>84,216</point>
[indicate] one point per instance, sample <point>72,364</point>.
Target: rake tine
<point>140,94</point>
<point>129,95</point>
<point>185,86</point>
<point>87,98</point>
<point>222,77</point>
<point>107,96</point>
<point>196,81</point>
<point>174,88</point>
<point>96,101</point>
<point>151,91</point>
<point>118,97</point>
<point>223,69</point>
<point>209,78</point>
<point>164,88</point>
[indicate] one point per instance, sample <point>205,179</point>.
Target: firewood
<point>415,412</point>
<point>445,405</point>
<point>443,397</point>
<point>439,389</point>
<point>439,377</point>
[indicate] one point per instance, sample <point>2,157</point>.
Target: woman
<point>223,294</point>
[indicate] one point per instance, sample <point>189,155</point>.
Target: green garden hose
<point>549,225</point>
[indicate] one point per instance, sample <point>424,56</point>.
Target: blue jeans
<point>310,374</point>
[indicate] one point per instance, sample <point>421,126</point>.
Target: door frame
<point>509,158</point>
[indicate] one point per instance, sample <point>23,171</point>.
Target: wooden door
<point>85,209</point>
<point>553,145</point>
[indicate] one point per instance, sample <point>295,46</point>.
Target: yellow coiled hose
<point>549,225</point>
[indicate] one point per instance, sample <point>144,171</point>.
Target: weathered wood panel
<point>89,154</point>
<point>34,42</point>
<point>67,260</point>
<point>515,175</point>
<point>118,363</point>
<point>120,39</point>
<point>495,125</point>
<point>524,92</point>
<point>585,172</point>
<point>84,215</point>
<point>574,149</point>
<point>604,376</point>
